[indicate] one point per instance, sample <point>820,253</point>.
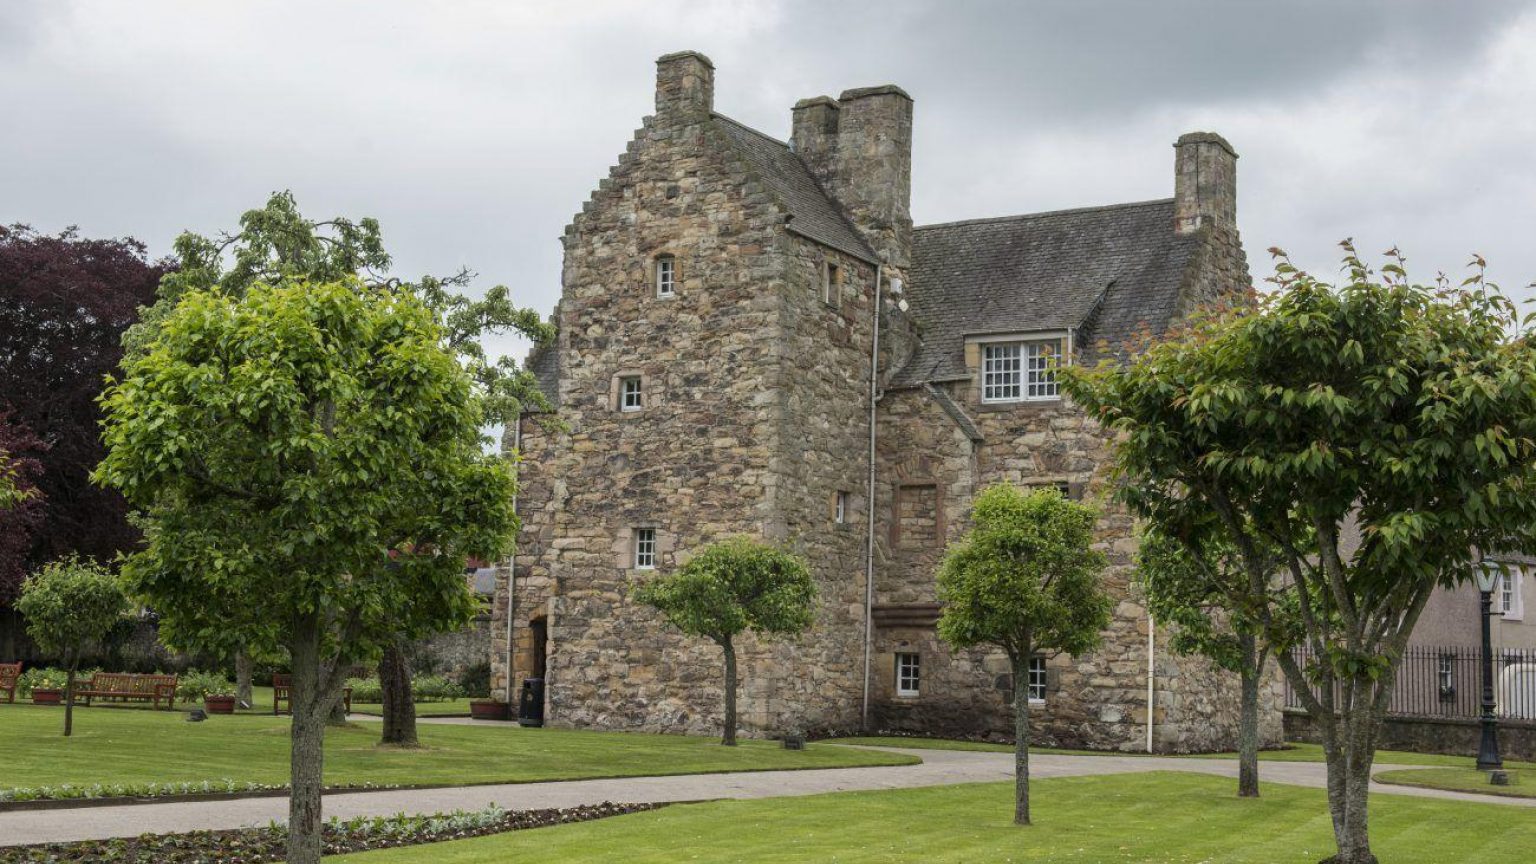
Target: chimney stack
<point>813,134</point>
<point>1204,182</point>
<point>860,148</point>
<point>685,87</point>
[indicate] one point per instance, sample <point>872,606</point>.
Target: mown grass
<point>1522,781</point>
<point>1163,817</point>
<point>113,746</point>
<point>1291,753</point>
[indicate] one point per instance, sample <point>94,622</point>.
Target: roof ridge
<point>1019,216</point>
<point>759,133</point>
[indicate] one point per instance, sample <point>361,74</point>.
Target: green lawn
<point>1292,753</point>
<point>1522,781</point>
<point>1167,818</point>
<point>111,746</point>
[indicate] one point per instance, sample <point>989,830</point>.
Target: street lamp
<point>1488,573</point>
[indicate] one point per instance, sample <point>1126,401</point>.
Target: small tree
<point>308,458</point>
<point>731,587</point>
<point>1190,584</point>
<point>70,606</point>
<point>1375,435</point>
<point>1024,579</point>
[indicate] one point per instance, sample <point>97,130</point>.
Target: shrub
<point>196,686</point>
<point>40,678</point>
<point>475,680</point>
<point>427,688</point>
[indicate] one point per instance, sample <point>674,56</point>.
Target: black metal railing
<point>1446,681</point>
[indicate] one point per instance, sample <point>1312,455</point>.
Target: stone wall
<point>1453,736</point>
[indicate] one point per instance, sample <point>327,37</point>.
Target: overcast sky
<point>474,130</point>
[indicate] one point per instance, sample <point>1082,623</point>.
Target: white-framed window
<point>645,548</point>
<point>1447,677</point>
<point>831,278</point>
<point>631,398</point>
<point>908,674</point>
<point>840,508</point>
<point>1020,371</point>
<point>1507,600</point>
<point>666,276</point>
<point>1037,679</point>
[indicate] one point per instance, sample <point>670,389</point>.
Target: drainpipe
<point>517,449</point>
<point>1151,668</point>
<point>869,501</point>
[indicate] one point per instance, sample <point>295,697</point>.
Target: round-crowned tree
<point>70,605</point>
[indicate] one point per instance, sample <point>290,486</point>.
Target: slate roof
<point>1106,270</point>
<point>544,362</point>
<point>812,212</point>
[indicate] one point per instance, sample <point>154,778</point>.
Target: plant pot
<point>485,709</point>
<point>47,696</point>
<point>219,704</point>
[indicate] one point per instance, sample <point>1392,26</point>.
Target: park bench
<point>125,687</point>
<point>282,691</point>
<point>10,673</point>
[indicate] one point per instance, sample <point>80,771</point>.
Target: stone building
<point>755,339</point>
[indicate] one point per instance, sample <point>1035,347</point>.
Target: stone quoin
<point>722,296</point>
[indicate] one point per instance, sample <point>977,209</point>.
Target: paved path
<point>939,767</point>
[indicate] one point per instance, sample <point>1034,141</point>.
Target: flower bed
<point>256,845</point>
<point>72,792</point>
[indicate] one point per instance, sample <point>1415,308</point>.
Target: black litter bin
<point>530,709</point>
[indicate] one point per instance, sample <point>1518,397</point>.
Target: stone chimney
<point>813,134</point>
<point>860,148</point>
<point>1204,182</point>
<point>685,87</point>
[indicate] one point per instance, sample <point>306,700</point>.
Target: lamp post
<point>1488,573</point>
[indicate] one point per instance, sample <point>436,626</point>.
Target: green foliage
<point>475,680</point>
<point>276,244</point>
<point>71,604</point>
<point>424,688</point>
<point>304,450</point>
<point>1025,576</point>
<point>43,678</point>
<point>734,586</point>
<point>195,686</point>
<point>10,493</point>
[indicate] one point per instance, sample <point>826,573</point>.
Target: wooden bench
<point>123,687</point>
<point>10,673</point>
<point>282,691</point>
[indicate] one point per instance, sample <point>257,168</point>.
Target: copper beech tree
<point>308,460</point>
<point>1024,579</point>
<point>1373,434</point>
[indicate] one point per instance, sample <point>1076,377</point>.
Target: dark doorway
<point>538,628</point>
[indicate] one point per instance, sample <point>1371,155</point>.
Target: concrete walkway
<point>939,767</point>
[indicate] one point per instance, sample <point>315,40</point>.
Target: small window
<point>908,674</point>
<point>831,279</point>
<point>666,276</point>
<point>630,396</point>
<point>1447,675</point>
<point>840,508</point>
<point>1020,371</point>
<point>645,548</point>
<point>1037,679</point>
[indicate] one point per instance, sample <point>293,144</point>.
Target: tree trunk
<point>1349,746</point>
<point>729,738</point>
<point>399,709</point>
<point>1021,739</point>
<point>1248,719</point>
<point>243,679</point>
<point>69,695</point>
<point>307,754</point>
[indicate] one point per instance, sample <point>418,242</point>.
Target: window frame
<point>1027,373</point>
<point>643,541</point>
<point>831,281</point>
<point>840,507</point>
<point>1038,670</point>
<point>665,288</point>
<point>1511,602</point>
<point>625,392</point>
<point>909,675</point>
